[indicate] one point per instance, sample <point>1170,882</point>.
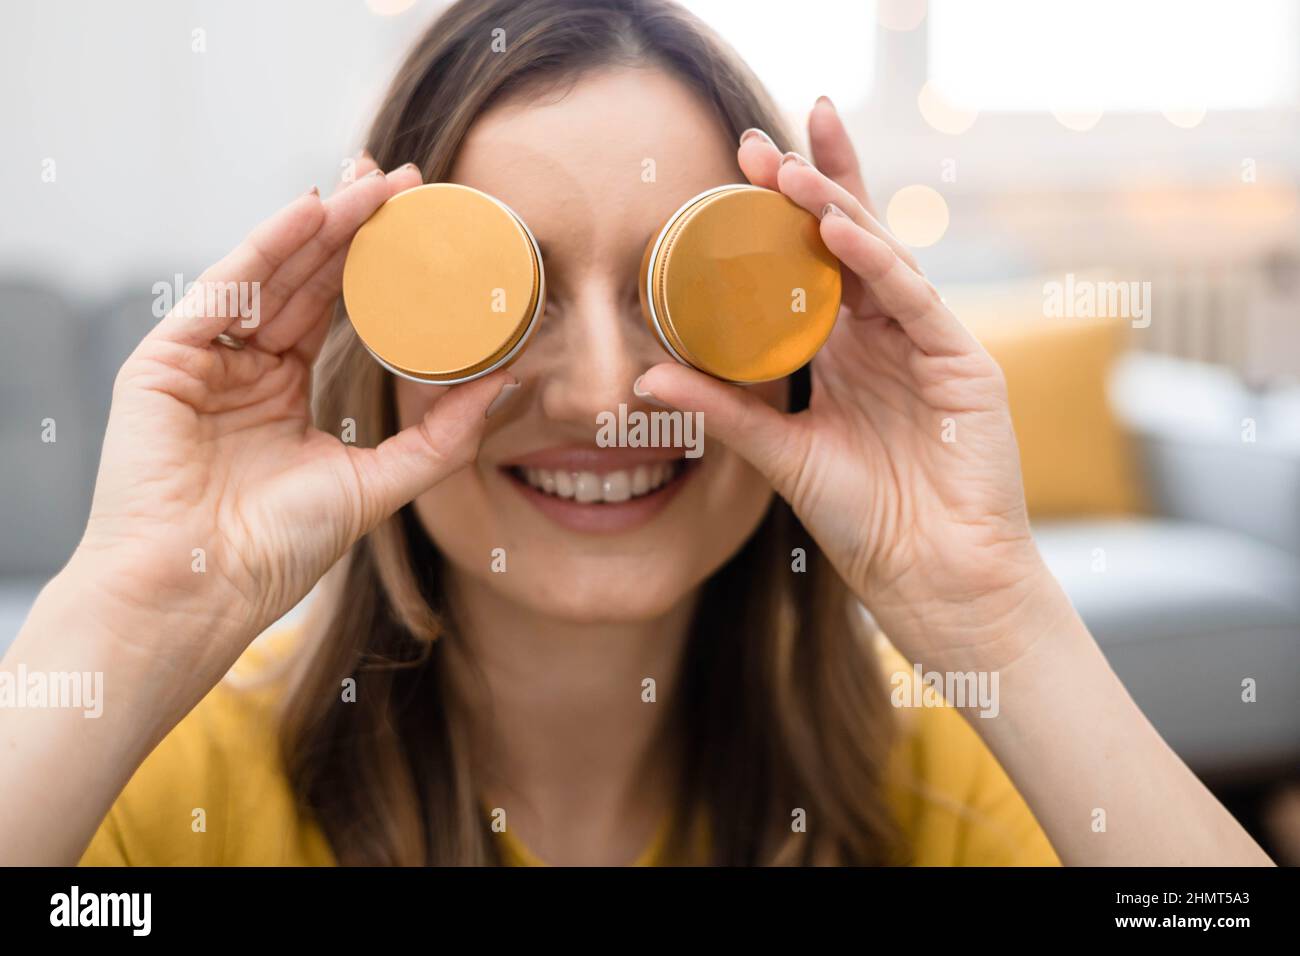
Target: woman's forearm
<point>1104,785</point>
<point>64,757</point>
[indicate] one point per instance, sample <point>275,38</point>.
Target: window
<point>1114,55</point>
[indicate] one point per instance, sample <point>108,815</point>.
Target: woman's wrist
<point>71,631</point>
<point>82,623</point>
<point>980,629</point>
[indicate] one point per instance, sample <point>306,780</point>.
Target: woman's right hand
<point>218,505</point>
<point>209,448</point>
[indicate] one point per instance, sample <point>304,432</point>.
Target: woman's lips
<point>601,490</point>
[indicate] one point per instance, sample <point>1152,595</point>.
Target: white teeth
<point>588,487</point>
<point>563,484</point>
<point>616,486</point>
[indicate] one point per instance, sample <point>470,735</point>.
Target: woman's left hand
<point>904,467</point>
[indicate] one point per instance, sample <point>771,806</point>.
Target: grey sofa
<point>58,362</point>
<point>1206,596</point>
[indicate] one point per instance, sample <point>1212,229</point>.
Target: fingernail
<point>314,191</point>
<point>824,100</point>
<point>502,397</point>
<point>830,209</point>
<point>373,173</point>
<point>640,391</point>
<point>755,133</point>
<point>793,157</point>
<point>408,166</point>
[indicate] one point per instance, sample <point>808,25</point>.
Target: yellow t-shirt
<point>214,793</point>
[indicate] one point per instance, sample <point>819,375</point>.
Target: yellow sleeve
<point>173,810</point>
<point>106,847</point>
<point>953,799</point>
<point>213,792</point>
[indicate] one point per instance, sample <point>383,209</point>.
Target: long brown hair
<point>782,705</point>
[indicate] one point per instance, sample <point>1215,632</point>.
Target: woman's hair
<point>782,705</point>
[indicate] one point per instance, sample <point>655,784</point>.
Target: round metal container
<point>444,284</point>
<point>739,284</point>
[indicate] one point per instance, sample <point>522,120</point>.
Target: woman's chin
<point>590,598</point>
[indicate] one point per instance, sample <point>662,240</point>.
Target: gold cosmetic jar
<point>444,284</point>
<point>739,284</point>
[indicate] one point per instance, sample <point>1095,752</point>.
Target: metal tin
<point>739,284</point>
<point>444,284</point>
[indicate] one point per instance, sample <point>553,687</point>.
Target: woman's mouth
<point>613,487</point>
<point>600,490</point>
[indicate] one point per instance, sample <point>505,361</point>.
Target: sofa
<point>1165,495</point>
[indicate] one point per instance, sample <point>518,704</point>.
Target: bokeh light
<point>901,15</point>
<point>917,215</point>
<point>1078,120</point>
<point>940,112</point>
<point>389,8</point>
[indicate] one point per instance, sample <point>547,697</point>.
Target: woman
<point>496,672</point>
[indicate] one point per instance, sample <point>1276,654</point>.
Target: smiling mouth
<point>602,488</point>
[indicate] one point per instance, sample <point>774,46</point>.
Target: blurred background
<point>1105,191</point>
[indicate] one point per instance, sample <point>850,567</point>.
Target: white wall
<point>164,156</point>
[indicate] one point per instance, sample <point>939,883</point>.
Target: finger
<point>759,158</point>
<point>345,211</point>
<point>362,165</point>
<point>833,152</point>
<point>205,311</point>
<point>421,455</point>
<point>806,185</point>
<point>313,340</point>
<point>903,295</point>
<point>315,295</point>
<point>735,416</point>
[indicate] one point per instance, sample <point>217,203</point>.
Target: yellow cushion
<point>1076,458</point>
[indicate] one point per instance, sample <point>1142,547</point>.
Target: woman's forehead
<point>619,149</point>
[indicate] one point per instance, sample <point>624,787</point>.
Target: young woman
<point>661,679</point>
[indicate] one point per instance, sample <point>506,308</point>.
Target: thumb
<point>421,455</point>
<point>766,438</point>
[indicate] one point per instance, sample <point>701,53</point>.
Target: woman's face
<point>590,533</point>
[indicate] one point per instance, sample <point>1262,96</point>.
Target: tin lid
<point>739,284</point>
<point>443,283</point>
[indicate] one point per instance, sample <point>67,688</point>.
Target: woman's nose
<point>603,346</point>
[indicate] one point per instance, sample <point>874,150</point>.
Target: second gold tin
<point>739,284</point>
